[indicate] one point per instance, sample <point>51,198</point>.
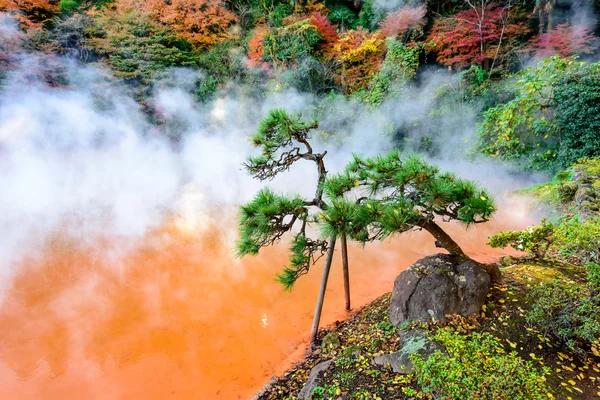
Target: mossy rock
<point>331,341</point>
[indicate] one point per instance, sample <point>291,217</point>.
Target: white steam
<point>85,160</point>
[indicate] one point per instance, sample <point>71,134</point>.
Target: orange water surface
<point>176,316</point>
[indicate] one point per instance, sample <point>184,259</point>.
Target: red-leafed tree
<point>564,40</point>
<point>327,30</point>
<point>203,23</point>
<point>479,35</point>
<point>255,48</point>
<point>399,22</point>
<point>30,13</point>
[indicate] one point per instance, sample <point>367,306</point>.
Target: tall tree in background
<point>377,197</point>
<point>479,35</point>
<point>565,40</point>
<point>398,23</point>
<point>203,23</point>
<point>544,9</point>
<point>30,13</point>
<point>360,54</point>
<point>283,141</point>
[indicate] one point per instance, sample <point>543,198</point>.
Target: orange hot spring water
<point>175,315</point>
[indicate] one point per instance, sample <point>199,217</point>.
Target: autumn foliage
<point>294,38</point>
<point>565,40</point>
<point>327,30</point>
<point>399,22</point>
<point>30,13</point>
<point>202,23</point>
<point>475,36</point>
<point>10,44</point>
<point>255,48</point>
<point>361,55</point>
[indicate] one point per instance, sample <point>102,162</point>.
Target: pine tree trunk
<point>442,238</point>
<point>319,308</point>
<point>346,271</point>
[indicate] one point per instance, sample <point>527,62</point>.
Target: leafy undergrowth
<point>562,372</point>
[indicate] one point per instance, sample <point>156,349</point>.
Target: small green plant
<point>477,367</point>
<point>325,392</point>
<point>534,239</point>
<point>387,327</point>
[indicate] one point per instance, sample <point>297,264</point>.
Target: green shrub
<point>279,13</point>
<point>477,367</point>
<point>568,311</point>
<point>134,47</point>
<point>593,275</point>
<point>368,17</point>
<point>534,239</point>
<point>399,66</point>
<point>221,64</point>
<point>68,5</point>
<point>552,120</point>
<point>574,239</point>
<point>287,45</point>
<point>343,16</point>
<point>578,114</point>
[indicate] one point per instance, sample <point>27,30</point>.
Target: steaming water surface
<point>177,316</point>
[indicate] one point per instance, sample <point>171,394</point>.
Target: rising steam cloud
<point>85,160</point>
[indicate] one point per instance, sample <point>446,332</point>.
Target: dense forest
<point>510,84</point>
<point>514,61</point>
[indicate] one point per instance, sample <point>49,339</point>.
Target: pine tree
<point>377,197</point>
<point>283,140</point>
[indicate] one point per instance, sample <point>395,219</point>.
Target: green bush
<point>593,275</point>
<point>135,48</point>
<point>574,239</point>
<point>568,311</point>
<point>279,13</point>
<point>221,64</point>
<point>288,45</point>
<point>399,67</point>
<point>578,114</point>
<point>368,18</point>
<point>569,239</point>
<point>534,239</point>
<point>68,5</point>
<point>477,367</point>
<point>343,17</point>
<point>552,120</point>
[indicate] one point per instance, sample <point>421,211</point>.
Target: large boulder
<point>436,286</point>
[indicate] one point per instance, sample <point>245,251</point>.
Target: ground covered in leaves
<point>566,374</point>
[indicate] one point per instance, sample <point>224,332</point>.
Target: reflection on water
<point>177,316</point>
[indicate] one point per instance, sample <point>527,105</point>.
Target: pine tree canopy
<point>265,220</point>
<point>371,200</point>
<point>282,140</point>
<point>376,197</point>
